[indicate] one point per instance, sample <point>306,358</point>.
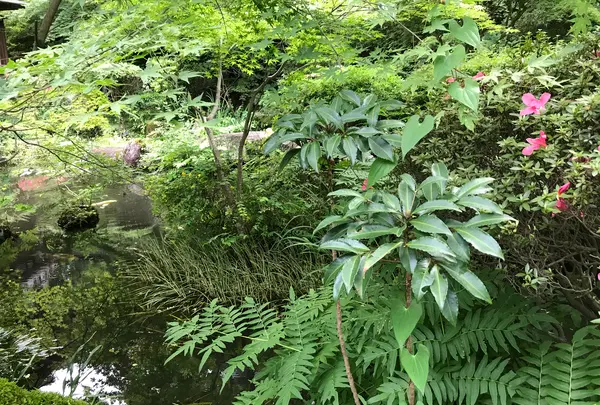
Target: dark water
<point>138,376</point>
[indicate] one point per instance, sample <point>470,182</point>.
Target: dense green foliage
<point>360,202</point>
<point>11,394</point>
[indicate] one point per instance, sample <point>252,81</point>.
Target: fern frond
<point>391,392</point>
<point>380,354</point>
<point>330,380</point>
<point>565,374</point>
<point>470,382</point>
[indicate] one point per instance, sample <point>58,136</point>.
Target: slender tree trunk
<point>338,315</point>
<point>49,17</point>
<point>409,342</point>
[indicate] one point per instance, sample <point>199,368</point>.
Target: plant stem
<point>409,342</point>
<point>338,312</point>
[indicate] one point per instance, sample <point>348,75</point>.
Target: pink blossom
<point>479,75</point>
<point>598,148</point>
<point>535,144</point>
<point>534,106</point>
<point>562,189</point>
<point>598,276</point>
<point>451,80</point>
<point>561,204</point>
<point>364,185</point>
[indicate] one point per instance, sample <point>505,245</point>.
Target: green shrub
<point>11,394</point>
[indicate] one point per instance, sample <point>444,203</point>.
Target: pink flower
<point>451,80</point>
<point>364,185</point>
<point>535,144</point>
<point>563,188</point>
<point>479,75</point>
<point>598,148</point>
<point>534,106</point>
<point>598,276</point>
<point>561,204</point>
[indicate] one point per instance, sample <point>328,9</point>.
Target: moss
<point>11,394</point>
<point>78,219</point>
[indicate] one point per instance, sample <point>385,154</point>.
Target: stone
<point>132,153</point>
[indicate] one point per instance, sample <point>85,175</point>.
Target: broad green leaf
<point>439,287</point>
<point>459,247</point>
<point>333,269</point>
<point>287,158</point>
<point>421,279</point>
<point>430,224</point>
<point>292,136</point>
<point>374,231</point>
<point>351,96</point>
<point>345,192</point>
<point>476,186</point>
<point>303,156</point>
<point>416,366</point>
<point>468,280</point>
<point>389,124</point>
<point>436,205</point>
<point>409,180</point>
<point>488,219</point>
<point>431,187</point>
<point>381,148</point>
<point>440,170</point>
<point>435,247</point>
<point>329,116</point>
<point>337,286</point>
<point>186,75</point>
<point>328,221</point>
<point>408,259</point>
<point>362,279</point>
<point>349,271</point>
<point>313,154</point>
<point>480,204</point>
<point>391,201</point>
<point>450,310</point>
<point>379,169</point>
<point>367,132</point>
<point>467,95</point>
<point>481,241</point>
<point>350,148</point>
<point>380,253</point>
<point>345,245</point>
<point>331,144</point>
<point>468,33</point>
<point>358,114</point>
<point>404,320</point>
<point>406,193</point>
<point>373,115</point>
<point>443,64</point>
<point>414,131</point>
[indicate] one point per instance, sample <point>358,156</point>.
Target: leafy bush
<point>11,394</point>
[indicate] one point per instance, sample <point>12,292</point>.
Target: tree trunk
<point>44,29</point>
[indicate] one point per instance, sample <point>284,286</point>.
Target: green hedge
<point>11,394</point>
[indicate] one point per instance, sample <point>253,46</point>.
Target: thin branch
<point>338,315</point>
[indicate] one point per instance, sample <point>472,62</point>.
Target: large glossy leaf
<point>391,201</point>
<point>408,259</point>
<point>358,114</point>
<point>439,287</point>
<point>421,279</point>
<point>480,204</point>
<point>332,219</point>
<point>389,124</point>
<point>345,245</point>
<point>440,170</point>
<point>467,95</point>
<point>435,247</point>
<point>450,310</point>
<point>430,224</point>
<point>488,219</point>
<point>331,144</point>
<point>459,247</point>
<point>406,193</point>
<point>345,192</point>
<point>287,158</point>
<point>329,116</point>
<point>292,136</point>
<point>404,320</point>
<point>349,270</point>
<point>351,96</point>
<point>481,241</point>
<point>468,33</point>
<point>468,280</point>
<point>337,286</point>
<point>313,154</point>
<point>272,143</point>
<point>350,148</point>
<point>379,169</point>
<point>431,187</point>
<point>436,205</point>
<point>414,131</point>
<point>416,366</point>
<point>381,148</point>
<point>476,186</point>
<point>380,253</point>
<point>443,64</point>
<point>367,132</point>
<point>374,231</point>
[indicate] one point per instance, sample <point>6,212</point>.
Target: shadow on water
<point>130,369</point>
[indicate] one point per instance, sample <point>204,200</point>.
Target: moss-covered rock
<point>80,218</point>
